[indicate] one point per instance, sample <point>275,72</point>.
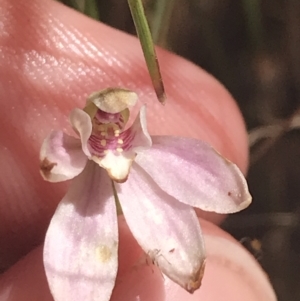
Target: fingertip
<point>144,283</point>
<point>231,273</point>
<point>26,280</point>
<point>137,279</point>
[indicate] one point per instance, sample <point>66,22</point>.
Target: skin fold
<point>51,59</point>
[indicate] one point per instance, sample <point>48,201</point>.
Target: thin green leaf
<point>144,34</point>
<point>118,205</point>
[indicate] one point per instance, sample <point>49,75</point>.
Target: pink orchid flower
<point>157,180</point>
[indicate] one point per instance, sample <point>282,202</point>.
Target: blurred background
<point>253,48</point>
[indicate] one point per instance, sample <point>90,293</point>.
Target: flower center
<point>108,134</point>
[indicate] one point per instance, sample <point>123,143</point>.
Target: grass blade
<point>144,34</point>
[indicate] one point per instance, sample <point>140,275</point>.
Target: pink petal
<point>81,246</point>
<point>61,157</point>
<point>232,273</point>
<point>142,139</point>
<point>194,173</point>
<point>82,124</point>
<point>167,230</point>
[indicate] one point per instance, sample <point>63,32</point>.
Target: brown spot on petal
<point>193,285</point>
<point>46,166</point>
<point>103,253</point>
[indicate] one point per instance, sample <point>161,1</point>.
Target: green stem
<point>118,205</point>
<point>144,34</point>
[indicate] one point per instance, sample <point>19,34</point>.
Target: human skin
<point>51,59</point>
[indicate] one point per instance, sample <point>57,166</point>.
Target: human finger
<point>53,57</point>
<point>231,274</point>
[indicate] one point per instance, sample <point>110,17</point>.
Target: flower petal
<point>194,173</point>
<point>116,165</point>
<point>81,246</point>
<point>82,125</point>
<point>167,230</point>
<point>142,139</point>
<point>61,157</point>
<point>113,100</point>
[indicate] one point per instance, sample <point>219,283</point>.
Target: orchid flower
<point>157,180</point>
